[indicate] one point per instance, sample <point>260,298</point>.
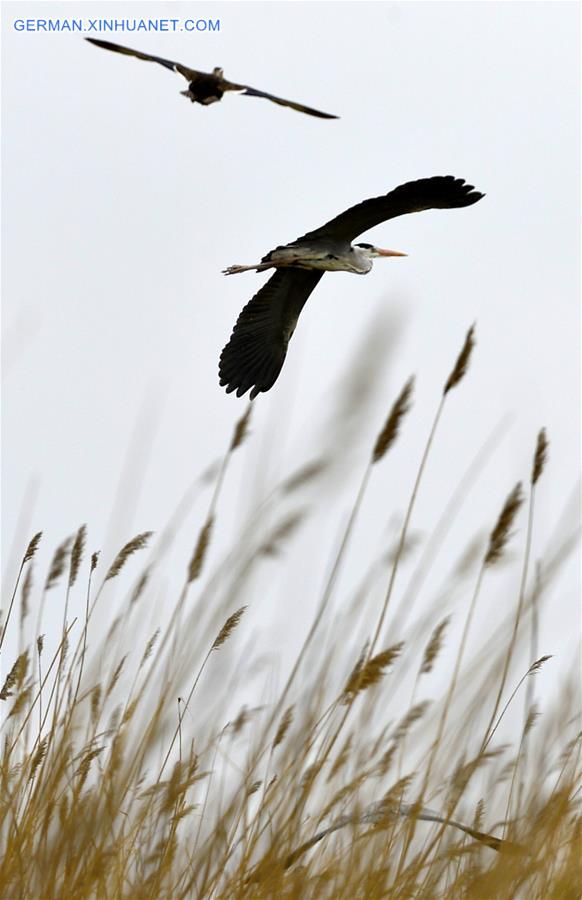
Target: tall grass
<point>125,773</point>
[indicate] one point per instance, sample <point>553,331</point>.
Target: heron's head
<point>372,252</point>
<point>218,72</point>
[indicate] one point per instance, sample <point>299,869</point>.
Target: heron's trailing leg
<point>259,267</point>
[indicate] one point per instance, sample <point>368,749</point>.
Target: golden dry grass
<point>124,772</point>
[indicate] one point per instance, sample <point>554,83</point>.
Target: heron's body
<point>255,353</point>
<point>329,256</point>
<point>207,87</point>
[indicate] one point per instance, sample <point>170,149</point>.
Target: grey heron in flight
<point>255,353</point>
<point>208,87</point>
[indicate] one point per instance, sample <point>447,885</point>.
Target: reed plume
<point>32,547</point>
<point>77,554</point>
<point>136,543</point>
<point>434,647</point>
<point>58,563</point>
<point>502,531</point>
<point>228,628</point>
<point>462,364</point>
<point>389,432</point>
<point>200,551</point>
<point>540,457</point>
<point>371,671</point>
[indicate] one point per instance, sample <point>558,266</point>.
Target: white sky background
<point>122,203</point>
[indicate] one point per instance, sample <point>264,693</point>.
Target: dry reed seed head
<point>355,673</point>
<point>434,647</point>
<point>38,757</point>
<point>384,811</point>
<point>308,472</point>
<point>342,757</point>
<point>57,566</point>
<point>211,473</point>
<point>94,560</point>
<point>114,720</point>
<point>391,427</point>
<point>386,760</point>
<point>228,628</point>
<point>536,666</point>
<point>283,728</point>
<point>372,671</point>
<point>184,775</point>
<point>83,769</point>
<point>502,531</point>
<point>200,550</point>
<point>243,717</point>
<point>22,668</point>
<point>95,703</point>
<point>13,676</point>
<point>21,701</point>
<point>280,533</point>
<point>253,788</point>
<point>170,788</point>
<point>311,773</point>
<point>479,815</point>
<point>115,676</point>
<point>381,739</point>
<point>114,627</point>
<point>414,714</point>
<point>140,587</point>
<point>465,770</point>
<point>77,554</point>
<point>25,594</point>
<point>507,771</point>
<point>241,429</point>
<point>129,712</point>
<point>540,456</point>
<point>237,725</point>
<point>462,363</point>
<point>149,647</point>
<point>532,717</point>
<point>32,547</point>
<point>569,749</point>
<point>401,550</point>
<point>137,543</point>
<point>116,755</point>
<point>472,552</point>
<point>182,813</point>
<point>40,643</point>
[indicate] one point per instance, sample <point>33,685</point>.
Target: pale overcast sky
<point>122,203</point>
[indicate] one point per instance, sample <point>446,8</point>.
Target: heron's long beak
<point>390,252</point>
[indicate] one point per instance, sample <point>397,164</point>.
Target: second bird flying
<point>208,87</point>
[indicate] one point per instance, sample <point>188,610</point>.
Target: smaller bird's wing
<point>253,92</point>
<point>256,351</point>
<point>440,192</point>
<point>189,74</point>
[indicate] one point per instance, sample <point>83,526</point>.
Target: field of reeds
<point>385,761</point>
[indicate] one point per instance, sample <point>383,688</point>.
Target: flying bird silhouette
<point>255,353</point>
<point>208,87</point>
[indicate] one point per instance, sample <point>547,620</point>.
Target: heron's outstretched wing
<point>253,92</point>
<point>189,74</point>
<point>257,347</point>
<point>440,192</point>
